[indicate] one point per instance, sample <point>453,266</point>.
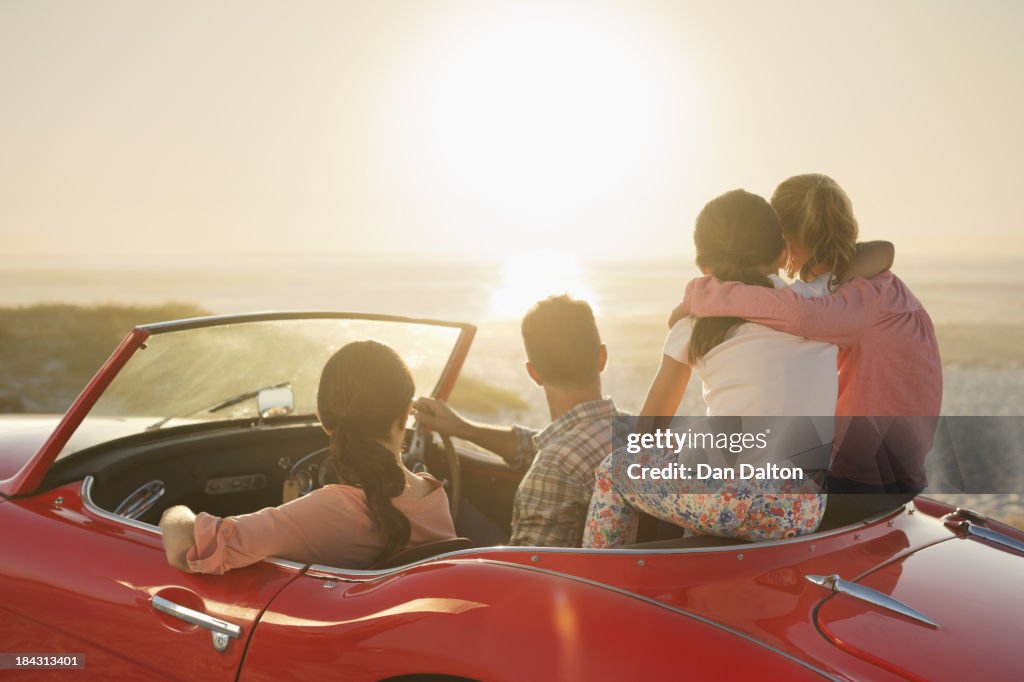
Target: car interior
<point>229,469</point>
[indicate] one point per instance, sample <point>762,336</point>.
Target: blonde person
<point>890,372</point>
<point>748,370</point>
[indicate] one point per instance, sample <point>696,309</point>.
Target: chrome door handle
<point>220,630</point>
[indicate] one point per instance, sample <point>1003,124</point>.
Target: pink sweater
<point>330,526</point>
<point>889,361</point>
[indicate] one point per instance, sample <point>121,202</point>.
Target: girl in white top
<point>749,371</point>
<point>755,370</point>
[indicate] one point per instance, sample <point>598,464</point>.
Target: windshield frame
<point>29,477</point>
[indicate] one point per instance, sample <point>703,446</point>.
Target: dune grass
<point>481,398</point>
<point>1016,520</point>
<point>49,352</point>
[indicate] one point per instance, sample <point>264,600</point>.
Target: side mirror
<point>275,402</point>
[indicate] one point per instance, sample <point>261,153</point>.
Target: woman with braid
<point>379,509</point>
<point>749,371</point>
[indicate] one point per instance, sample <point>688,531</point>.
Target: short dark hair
<point>562,342</point>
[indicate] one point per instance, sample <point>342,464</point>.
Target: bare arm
<point>437,416</point>
<point>664,395</point>
<point>873,258</point>
<point>667,389</point>
<point>178,526</point>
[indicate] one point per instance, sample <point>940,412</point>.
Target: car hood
<point>21,435</point>
<point>974,593</point>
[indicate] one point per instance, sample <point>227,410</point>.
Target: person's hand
<point>437,416</point>
<point>177,524</point>
<point>693,289</point>
<point>678,313</point>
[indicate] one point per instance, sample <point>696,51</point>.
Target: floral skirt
<point>745,509</point>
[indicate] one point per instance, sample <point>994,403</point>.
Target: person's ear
<point>602,357</point>
<point>401,422</point>
<point>704,270</point>
<point>411,412</point>
<point>532,371</point>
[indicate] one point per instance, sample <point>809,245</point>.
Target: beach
<point>978,315</point>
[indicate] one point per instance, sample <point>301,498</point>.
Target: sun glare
<point>530,277</point>
<point>539,118</point>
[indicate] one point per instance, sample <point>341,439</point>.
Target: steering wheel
<point>415,460</point>
<point>315,470</point>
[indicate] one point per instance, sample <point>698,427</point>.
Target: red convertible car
<point>218,413</point>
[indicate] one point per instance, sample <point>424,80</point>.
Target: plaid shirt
<point>551,504</point>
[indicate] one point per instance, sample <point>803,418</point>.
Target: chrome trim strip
<point>673,609</point>
<point>221,627</point>
<point>286,563</point>
<point>369,574</point>
<point>837,585</point>
<point>86,495</point>
<point>994,537</point>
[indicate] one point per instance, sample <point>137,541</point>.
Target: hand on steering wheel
<point>415,460</point>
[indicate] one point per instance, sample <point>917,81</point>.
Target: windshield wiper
<point>223,404</point>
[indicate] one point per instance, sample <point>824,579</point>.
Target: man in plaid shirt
<point>565,357</point>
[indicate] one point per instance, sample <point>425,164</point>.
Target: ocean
<point>976,305</point>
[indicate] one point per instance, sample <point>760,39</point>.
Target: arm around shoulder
<point>711,297</point>
<point>839,318</point>
<point>871,259</point>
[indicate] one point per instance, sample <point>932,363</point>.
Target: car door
<point>76,578</point>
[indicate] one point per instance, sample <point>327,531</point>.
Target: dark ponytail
<point>736,235</point>
<point>365,388</point>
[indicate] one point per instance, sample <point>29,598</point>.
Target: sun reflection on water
<point>530,277</point>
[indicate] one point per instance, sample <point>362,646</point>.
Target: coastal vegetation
<point>49,352</point>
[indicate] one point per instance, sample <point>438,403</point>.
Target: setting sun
<point>541,120</point>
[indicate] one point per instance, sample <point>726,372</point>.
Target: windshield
<point>215,373</point>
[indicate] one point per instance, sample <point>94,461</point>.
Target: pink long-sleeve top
<point>331,526</point>
<point>889,364</point>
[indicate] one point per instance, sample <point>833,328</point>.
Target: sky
<point>488,130</point>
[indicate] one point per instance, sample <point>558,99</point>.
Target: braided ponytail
<point>363,462</point>
<point>736,235</point>
<point>365,388</point>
